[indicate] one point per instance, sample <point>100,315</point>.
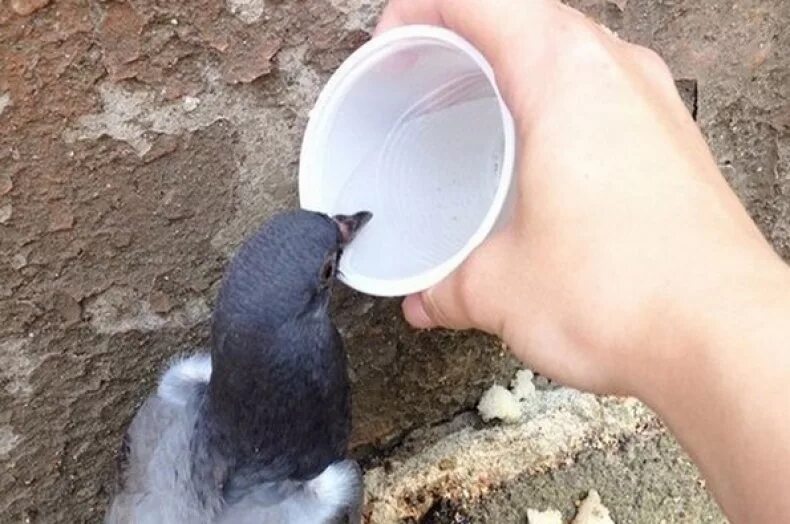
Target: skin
<point>630,267</point>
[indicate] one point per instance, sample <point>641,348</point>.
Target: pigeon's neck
<point>247,354</point>
<point>269,391</point>
<point>258,360</point>
<point>251,370</point>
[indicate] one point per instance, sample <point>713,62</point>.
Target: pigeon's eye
<point>328,269</point>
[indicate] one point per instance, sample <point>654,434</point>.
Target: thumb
<point>416,312</point>
<point>467,298</point>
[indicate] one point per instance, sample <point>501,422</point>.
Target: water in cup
<point>423,184</point>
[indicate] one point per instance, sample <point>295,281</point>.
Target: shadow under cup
<point>411,128</point>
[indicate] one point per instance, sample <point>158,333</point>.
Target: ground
<point>140,141</point>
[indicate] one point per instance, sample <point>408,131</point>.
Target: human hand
<point>625,235</point>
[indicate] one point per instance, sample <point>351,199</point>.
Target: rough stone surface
<point>644,479</point>
<point>25,7</point>
<point>469,461</point>
<point>140,141</point>
<point>592,511</point>
<point>5,101</point>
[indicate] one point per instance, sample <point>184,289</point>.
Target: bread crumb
<point>499,403</point>
<point>592,511</point>
<point>522,386</point>
<point>550,516</point>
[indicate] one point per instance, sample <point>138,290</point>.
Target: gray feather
<point>156,485</point>
<point>258,430</point>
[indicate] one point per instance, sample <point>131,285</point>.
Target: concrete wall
<point>140,141</point>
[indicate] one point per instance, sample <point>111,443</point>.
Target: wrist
<point>731,328</point>
<point>723,392</point>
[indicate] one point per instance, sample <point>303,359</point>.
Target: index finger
<point>482,22</point>
<point>398,13</point>
<point>512,35</point>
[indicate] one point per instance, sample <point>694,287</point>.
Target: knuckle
<point>583,46</point>
<point>652,62</point>
<point>647,55</point>
<point>432,308</point>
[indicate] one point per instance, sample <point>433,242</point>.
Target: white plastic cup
<point>412,128</point>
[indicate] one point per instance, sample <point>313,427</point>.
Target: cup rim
<point>333,93</point>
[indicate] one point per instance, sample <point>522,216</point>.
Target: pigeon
<point>257,430</point>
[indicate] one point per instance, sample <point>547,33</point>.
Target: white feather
<point>161,494</point>
<point>336,485</point>
<point>179,380</point>
<point>320,500</point>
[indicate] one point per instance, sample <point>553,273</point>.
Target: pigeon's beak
<point>350,225</point>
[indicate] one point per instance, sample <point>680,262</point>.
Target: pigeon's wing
<point>139,446</point>
<point>153,435</point>
<point>335,493</point>
<point>140,441</point>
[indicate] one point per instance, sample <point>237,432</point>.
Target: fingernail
<point>415,313</point>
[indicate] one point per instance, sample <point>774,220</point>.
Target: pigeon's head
<point>286,269</point>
